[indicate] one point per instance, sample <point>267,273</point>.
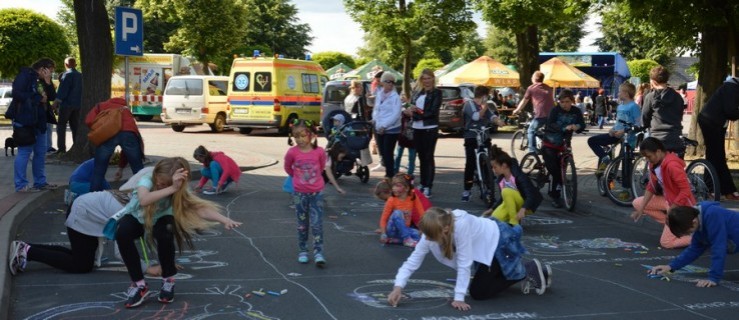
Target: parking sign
<point>129,32</point>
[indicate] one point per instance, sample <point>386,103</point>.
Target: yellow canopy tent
<point>484,71</point>
<point>558,73</point>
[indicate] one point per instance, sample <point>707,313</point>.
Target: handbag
<point>112,226</point>
<point>24,135</point>
<point>287,186</point>
<point>107,124</point>
<point>405,139</point>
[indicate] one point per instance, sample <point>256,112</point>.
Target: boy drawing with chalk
<point>713,227</point>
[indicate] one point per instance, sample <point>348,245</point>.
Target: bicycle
<point>702,177</point>
<point>483,176</point>
<point>520,141</point>
<point>534,167</point>
<point>619,170</point>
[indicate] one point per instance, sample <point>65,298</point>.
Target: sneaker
<point>410,243</point>
<point>303,257</point>
<point>534,278</point>
<point>17,257</point>
<point>28,189</point>
<point>466,196</point>
<point>50,150</point>
<point>557,203</point>
<point>427,192</point>
<point>47,186</point>
<point>225,186</point>
<point>377,167</point>
<point>210,191</point>
<point>320,260</point>
<point>623,195</point>
<point>166,294</point>
<point>548,275</point>
<point>136,295</point>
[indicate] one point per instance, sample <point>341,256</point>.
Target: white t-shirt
<point>418,124</point>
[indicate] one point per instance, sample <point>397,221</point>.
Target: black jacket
<point>531,196</point>
<point>724,104</point>
<point>431,107</point>
<point>662,113</point>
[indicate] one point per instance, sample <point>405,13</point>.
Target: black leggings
<point>713,137</point>
<point>552,162</point>
<point>425,143</point>
<point>489,281</point>
<point>129,230</point>
<point>79,259</point>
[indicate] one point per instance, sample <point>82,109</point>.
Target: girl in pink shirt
<point>305,162</point>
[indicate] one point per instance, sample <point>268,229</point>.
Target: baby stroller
<point>345,144</point>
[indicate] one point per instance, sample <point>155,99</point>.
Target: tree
<point>470,49</point>
<point>641,68</point>
<point>406,25</point>
<point>26,36</point>
<point>328,59</point>
<point>501,45</point>
<point>96,55</point>
<point>525,19</point>
<point>160,23</point>
<point>271,23</point>
<point>376,47</point>
<point>203,37</point>
<point>432,64</point>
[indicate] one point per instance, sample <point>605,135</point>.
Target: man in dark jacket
<point>662,112</point>
<point>713,120</point>
<point>601,108</point>
<point>68,101</point>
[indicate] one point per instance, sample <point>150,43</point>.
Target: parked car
<point>6,95</point>
<point>195,100</point>
<point>451,119</point>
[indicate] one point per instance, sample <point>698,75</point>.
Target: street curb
<point>8,227</point>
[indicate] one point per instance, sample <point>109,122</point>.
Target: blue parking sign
<point>129,32</point>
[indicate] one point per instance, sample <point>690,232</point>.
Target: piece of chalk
<point>259,293</point>
<point>284,291</point>
<point>248,295</point>
<point>451,280</point>
<point>619,265</point>
<point>276,294</point>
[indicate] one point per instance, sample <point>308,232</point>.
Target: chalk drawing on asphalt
<point>540,220</point>
<point>418,294</point>
<point>228,301</point>
<point>692,274</point>
<point>552,246</point>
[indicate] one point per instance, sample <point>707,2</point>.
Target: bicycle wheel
<point>519,144</point>
<point>569,183</point>
<point>639,176</point>
<point>703,180</point>
<point>486,180</point>
<point>614,178</point>
<point>532,166</point>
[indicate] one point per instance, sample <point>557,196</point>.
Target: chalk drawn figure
<point>541,220</point>
<point>692,274</point>
<point>190,260</point>
<point>418,294</point>
<point>552,246</point>
<point>229,302</point>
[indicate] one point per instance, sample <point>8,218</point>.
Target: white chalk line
<point>261,254</point>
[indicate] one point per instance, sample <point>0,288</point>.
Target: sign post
<point>129,37</point>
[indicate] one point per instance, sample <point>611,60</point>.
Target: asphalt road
<point>598,262</point>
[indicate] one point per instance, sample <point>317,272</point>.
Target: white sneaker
<point>378,167</point>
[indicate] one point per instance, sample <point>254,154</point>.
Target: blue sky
<point>332,28</point>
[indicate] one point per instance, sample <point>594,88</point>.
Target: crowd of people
<point>159,208</point>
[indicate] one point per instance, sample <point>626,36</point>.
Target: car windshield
<point>335,93</point>
<point>183,87</point>
<point>450,93</point>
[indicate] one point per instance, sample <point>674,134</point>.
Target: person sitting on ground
<point>562,122</point>
<point>668,187</point>
<point>458,239</point>
<point>628,111</point>
<point>518,195</point>
<point>218,168</point>
<point>395,222</point>
<point>712,227</point>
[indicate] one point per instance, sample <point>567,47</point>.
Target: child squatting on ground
<point>518,196</point>
<point>218,168</point>
<point>395,222</point>
<point>163,209</point>
<point>304,163</point>
<point>713,227</point>
<point>458,239</point>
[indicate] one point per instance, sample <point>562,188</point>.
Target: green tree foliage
<point>501,45</point>
<point>26,36</point>
<point>432,64</point>
<point>272,24</point>
<point>204,37</point>
<point>160,23</point>
<point>634,37</point>
<point>328,59</point>
<point>471,48</point>
<point>376,47</point>
<point>406,25</point>
<point>640,68</point>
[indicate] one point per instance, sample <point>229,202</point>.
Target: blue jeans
<point>20,165</point>
<point>411,159</point>
<point>601,121</point>
<point>130,144</point>
<point>309,210</point>
<point>213,173</point>
<point>536,123</point>
<point>49,127</point>
<point>396,228</point>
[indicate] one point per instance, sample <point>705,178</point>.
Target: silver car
<point>6,95</point>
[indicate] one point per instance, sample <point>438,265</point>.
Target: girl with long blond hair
<point>164,210</point>
<point>457,239</point>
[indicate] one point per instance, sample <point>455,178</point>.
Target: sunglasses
<point>389,81</point>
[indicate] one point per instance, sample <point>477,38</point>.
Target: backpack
<point>107,124</point>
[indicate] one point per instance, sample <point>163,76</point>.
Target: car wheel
<point>218,124</point>
<point>178,127</point>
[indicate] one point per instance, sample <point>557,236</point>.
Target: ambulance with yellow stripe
<point>271,92</point>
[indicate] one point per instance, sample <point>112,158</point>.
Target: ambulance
<point>147,78</point>
<point>271,92</point>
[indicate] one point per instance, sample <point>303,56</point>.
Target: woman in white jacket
<point>457,239</point>
<point>386,116</point>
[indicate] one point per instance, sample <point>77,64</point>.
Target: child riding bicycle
<point>562,122</point>
<point>629,112</point>
<point>476,115</point>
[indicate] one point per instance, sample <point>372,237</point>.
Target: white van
<point>194,100</point>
